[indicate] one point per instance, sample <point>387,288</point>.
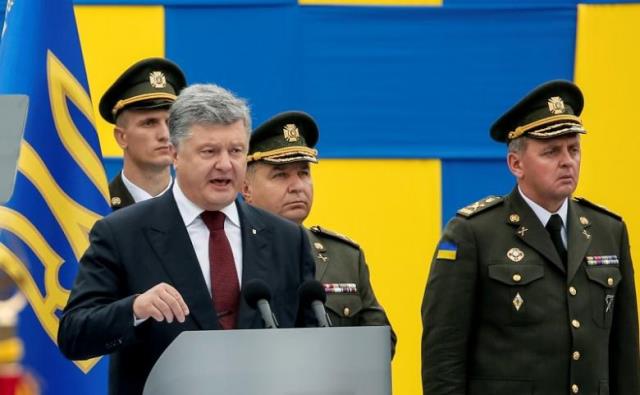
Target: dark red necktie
<point>222,269</point>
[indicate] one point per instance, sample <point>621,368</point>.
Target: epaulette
<point>597,207</point>
<point>323,231</point>
<point>480,205</point>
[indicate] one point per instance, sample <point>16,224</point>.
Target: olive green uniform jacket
<point>120,196</point>
<point>502,316</point>
<point>339,260</point>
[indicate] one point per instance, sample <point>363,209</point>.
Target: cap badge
<point>556,105</point>
<point>157,79</point>
<point>515,254</point>
<point>291,133</point>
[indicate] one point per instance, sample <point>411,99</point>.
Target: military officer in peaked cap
<point>533,293</point>
<point>279,180</point>
<point>138,105</point>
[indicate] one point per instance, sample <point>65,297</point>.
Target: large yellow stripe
<point>395,3</point>
<point>607,64</point>
<point>392,208</point>
<point>113,38</point>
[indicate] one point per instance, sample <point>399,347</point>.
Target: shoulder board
<point>326,232</point>
<point>480,205</point>
<point>597,207</point>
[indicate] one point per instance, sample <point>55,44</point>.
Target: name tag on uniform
<point>602,260</point>
<point>340,288</point>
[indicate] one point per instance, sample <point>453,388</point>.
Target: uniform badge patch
<point>447,251</point>
<point>602,260</point>
<point>515,254</point>
<point>518,301</point>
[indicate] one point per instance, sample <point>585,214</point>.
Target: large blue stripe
<point>394,82</point>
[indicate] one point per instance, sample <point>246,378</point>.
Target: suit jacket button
<point>573,291</point>
<point>517,278</point>
<point>575,389</point>
<point>575,324</point>
<point>575,355</point>
<point>346,311</point>
<point>610,281</point>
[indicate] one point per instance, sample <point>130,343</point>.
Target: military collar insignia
<point>556,105</point>
<point>291,132</point>
<point>584,221</point>
<point>116,201</point>
<point>514,218</point>
<point>157,79</point>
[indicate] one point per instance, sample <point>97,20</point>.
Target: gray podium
<point>304,361</point>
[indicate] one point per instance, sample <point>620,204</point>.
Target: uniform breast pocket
<point>519,295</point>
<point>602,289</point>
<point>343,308</point>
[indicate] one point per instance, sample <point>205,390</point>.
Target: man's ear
<point>246,191</point>
<point>515,164</point>
<point>120,136</point>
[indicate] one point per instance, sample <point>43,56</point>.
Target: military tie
<point>225,288</point>
<point>554,227</point>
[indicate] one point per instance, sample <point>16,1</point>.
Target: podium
<point>300,361</point>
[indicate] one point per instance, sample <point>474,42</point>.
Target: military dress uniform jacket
<point>120,195</point>
<point>342,269</point>
<point>502,316</point>
<point>136,248</point>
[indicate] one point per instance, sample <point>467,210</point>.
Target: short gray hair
<point>517,145</point>
<point>205,104</point>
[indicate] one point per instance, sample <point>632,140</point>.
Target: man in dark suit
<point>533,293</point>
<point>177,262</point>
<point>279,180</point>
<point>137,103</point>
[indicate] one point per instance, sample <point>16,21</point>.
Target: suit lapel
<point>169,238</point>
<point>578,238</point>
<point>529,229</point>
<point>256,255</point>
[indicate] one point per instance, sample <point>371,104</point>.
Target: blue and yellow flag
<point>61,189</point>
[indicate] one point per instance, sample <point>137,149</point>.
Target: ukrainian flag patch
<point>447,251</point>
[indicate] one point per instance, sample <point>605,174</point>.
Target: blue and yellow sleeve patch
<point>447,250</point>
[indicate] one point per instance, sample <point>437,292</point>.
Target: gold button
<point>573,291</point>
<point>516,277</point>
<point>575,324</point>
<point>575,389</point>
<point>610,281</point>
<point>576,355</point>
<point>346,311</point>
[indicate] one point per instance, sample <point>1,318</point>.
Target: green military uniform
<point>340,265</point>
<point>342,269</point>
<point>120,195</point>
<point>149,84</point>
<point>504,315</point>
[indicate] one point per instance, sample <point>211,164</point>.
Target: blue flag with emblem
<point>60,190</point>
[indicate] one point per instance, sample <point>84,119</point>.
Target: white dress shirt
<point>544,215</point>
<point>199,233</point>
<point>138,194</point>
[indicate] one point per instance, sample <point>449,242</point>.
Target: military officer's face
<point>283,189</point>
<point>211,163</point>
<point>143,135</point>
<point>547,170</point>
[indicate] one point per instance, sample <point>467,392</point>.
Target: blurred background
<point>404,93</point>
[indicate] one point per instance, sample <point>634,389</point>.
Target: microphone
<point>312,294</point>
<point>257,294</point>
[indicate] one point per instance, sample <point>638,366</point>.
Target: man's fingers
<point>169,298</point>
<point>164,308</point>
<point>182,310</point>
